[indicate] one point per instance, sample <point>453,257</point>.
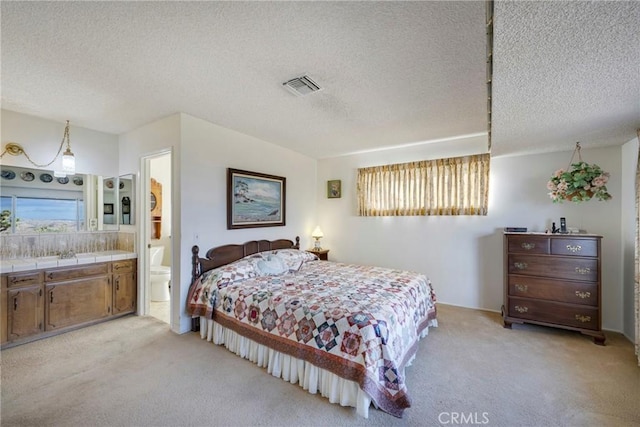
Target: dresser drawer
<point>76,272</point>
<point>554,290</point>
<point>575,247</point>
<point>577,316</point>
<point>584,269</point>
<point>528,244</point>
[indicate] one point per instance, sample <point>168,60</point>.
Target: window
<point>35,214</point>
<point>452,186</point>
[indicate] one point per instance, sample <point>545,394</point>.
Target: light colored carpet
<point>135,372</point>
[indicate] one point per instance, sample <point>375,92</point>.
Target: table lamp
<point>317,234</point>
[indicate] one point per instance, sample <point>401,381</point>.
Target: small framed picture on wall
<point>108,208</point>
<point>334,189</point>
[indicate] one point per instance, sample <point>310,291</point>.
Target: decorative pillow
<point>272,266</point>
<point>294,258</point>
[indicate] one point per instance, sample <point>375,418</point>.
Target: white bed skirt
<point>308,376</point>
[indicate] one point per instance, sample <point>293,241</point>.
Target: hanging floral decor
<point>579,183</point>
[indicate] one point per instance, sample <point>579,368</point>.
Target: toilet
<point>160,275</point>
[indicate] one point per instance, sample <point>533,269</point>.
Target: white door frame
<point>144,243</point>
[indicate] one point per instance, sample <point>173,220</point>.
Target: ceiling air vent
<point>302,85</point>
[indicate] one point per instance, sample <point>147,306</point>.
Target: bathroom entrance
<point>158,285</point>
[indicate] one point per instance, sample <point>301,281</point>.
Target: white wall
<point>463,255</point>
<point>202,152</point>
<point>95,152</point>
<point>207,150</point>
<point>149,140</point>
<point>628,190</point>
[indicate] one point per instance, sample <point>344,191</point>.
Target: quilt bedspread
<point>362,323</point>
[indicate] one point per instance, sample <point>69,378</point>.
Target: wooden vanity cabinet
<point>77,295</point>
<point>42,303</point>
<point>124,287</point>
<point>24,305</point>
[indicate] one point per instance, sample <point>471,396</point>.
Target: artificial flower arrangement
<point>579,184</point>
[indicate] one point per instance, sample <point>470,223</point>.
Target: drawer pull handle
<point>15,280</point>
<point>51,297</point>
<point>583,295</point>
<point>528,246</point>
<point>574,249</point>
<point>521,288</point>
<point>583,319</point>
<point>520,265</point>
<point>580,270</point>
<point>521,309</point>
<point>15,304</point>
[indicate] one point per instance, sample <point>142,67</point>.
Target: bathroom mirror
<point>36,201</point>
<point>126,187</point>
<point>110,203</point>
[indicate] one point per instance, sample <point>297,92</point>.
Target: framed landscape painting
<point>255,199</point>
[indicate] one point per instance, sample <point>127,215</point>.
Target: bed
<point>346,331</point>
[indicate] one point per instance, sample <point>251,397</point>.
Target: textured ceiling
<point>392,72</point>
<point>565,72</point>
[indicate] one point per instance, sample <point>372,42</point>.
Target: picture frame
<point>108,208</point>
<point>334,189</point>
<point>255,199</point>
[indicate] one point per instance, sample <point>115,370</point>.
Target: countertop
<point>25,264</point>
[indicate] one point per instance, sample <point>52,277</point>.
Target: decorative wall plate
<point>63,179</point>
<point>45,177</point>
<point>121,186</point>
<point>27,176</point>
<point>77,180</point>
<point>7,174</point>
<point>109,184</point>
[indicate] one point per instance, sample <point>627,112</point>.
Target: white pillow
<point>272,266</point>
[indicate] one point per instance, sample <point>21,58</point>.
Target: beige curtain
<point>637,276</point>
<point>453,186</point>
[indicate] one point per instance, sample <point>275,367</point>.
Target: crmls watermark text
<point>460,418</point>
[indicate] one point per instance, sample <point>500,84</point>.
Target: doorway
<point>156,220</point>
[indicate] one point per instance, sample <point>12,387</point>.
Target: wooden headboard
<point>222,255</point>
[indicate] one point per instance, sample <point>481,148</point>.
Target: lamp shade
<point>317,233</point>
<point>68,162</point>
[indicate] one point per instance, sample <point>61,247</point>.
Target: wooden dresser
<point>553,280</point>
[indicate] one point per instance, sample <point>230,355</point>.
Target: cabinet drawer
<point>574,247</point>
<point>76,272</point>
<point>578,316</point>
<point>583,269</point>
<point>15,280</point>
<point>528,244</point>
<point>554,290</point>
<point>123,266</point>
